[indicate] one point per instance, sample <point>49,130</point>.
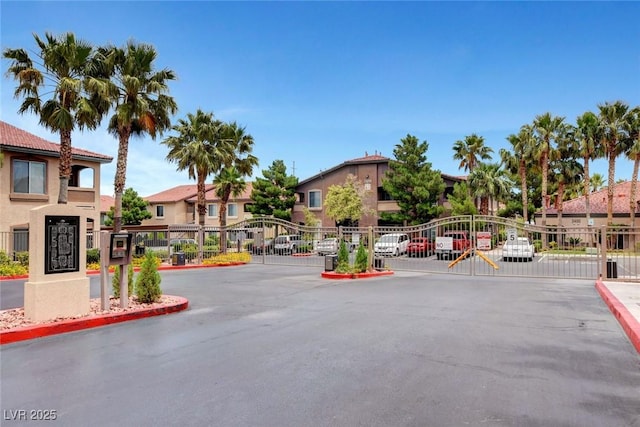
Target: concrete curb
<point>71,325</point>
<point>341,276</point>
<point>629,323</point>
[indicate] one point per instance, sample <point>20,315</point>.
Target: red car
<point>420,246</point>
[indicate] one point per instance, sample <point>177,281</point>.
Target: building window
<point>232,210</point>
<point>29,177</point>
<point>212,210</point>
<point>159,211</point>
<point>315,199</point>
<point>301,198</point>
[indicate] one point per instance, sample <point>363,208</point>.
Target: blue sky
<point>319,83</point>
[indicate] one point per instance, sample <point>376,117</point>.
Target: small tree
<point>343,259</point>
<point>362,260</point>
<point>460,200</point>
<point>148,280</point>
<point>134,209</point>
<point>115,282</point>
<point>345,203</point>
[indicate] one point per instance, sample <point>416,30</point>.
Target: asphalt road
<point>279,346</point>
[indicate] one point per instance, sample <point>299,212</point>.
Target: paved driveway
<point>278,346</point>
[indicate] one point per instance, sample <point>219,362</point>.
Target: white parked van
<point>393,244</point>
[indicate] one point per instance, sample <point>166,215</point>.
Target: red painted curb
<point>22,276</point>
<point>629,323</point>
<point>341,276</point>
<point>71,325</point>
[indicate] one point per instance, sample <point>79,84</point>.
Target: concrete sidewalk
<point>623,299</point>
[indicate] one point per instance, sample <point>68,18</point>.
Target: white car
<point>520,248</point>
<point>331,245</point>
<point>393,244</point>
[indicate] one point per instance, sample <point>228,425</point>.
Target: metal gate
<point>558,252</point>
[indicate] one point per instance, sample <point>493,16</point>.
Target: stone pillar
<point>58,285</point>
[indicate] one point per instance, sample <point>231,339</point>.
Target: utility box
<point>177,258</point>
<point>330,262</point>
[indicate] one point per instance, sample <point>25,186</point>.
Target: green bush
<point>148,280</point>
<point>93,256</point>
<point>362,260</point>
<point>343,259</point>
<point>115,282</point>
<point>538,245</point>
<point>23,258</point>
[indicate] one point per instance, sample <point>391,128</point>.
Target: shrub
<point>23,258</point>
<point>227,258</point>
<point>115,282</point>
<point>148,280</point>
<point>13,270</point>
<point>343,259</point>
<point>538,245</point>
<point>362,260</point>
<point>93,256</point>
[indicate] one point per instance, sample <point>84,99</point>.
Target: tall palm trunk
<point>545,196</point>
<point>202,203</point>
<point>223,221</point>
<point>65,166</point>
<point>120,178</point>
<point>525,196</point>
<point>587,190</point>
<point>610,189</point>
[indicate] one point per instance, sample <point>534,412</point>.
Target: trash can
<point>378,264</point>
<point>177,258</point>
<point>612,269</point>
<point>330,262</point>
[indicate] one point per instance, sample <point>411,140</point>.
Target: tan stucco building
<point>29,178</point>
<point>369,170</point>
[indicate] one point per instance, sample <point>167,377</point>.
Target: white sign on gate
<point>512,234</point>
<point>444,243</point>
<point>483,239</point>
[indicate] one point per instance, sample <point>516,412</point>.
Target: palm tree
<point>633,152</point>
<point>139,97</point>
<point>471,152</point>
<point>490,184</point>
<point>547,129</point>
<point>64,72</point>
<point>596,182</point>
<point>612,138</point>
<point>568,171</point>
<point>587,137</point>
<point>518,160</point>
<point>239,164</point>
<point>193,150</point>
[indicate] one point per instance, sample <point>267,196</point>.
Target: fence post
<point>603,252</point>
<point>370,248</point>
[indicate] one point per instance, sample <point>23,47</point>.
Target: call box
<point>120,248</point>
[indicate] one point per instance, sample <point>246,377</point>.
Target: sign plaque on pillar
<point>62,244</point>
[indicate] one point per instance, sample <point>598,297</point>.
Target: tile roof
<point>106,202</point>
<point>16,139</point>
<point>176,194</point>
<point>598,201</point>
<point>210,195</point>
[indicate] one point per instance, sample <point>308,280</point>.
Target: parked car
<point>287,244</point>
<point>420,247</point>
<point>461,243</point>
<point>265,247</point>
<point>393,244</point>
<point>520,248</point>
<point>331,245</point>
